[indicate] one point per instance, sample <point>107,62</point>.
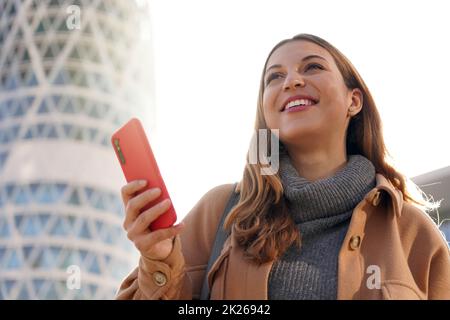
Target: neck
<point>318,164</point>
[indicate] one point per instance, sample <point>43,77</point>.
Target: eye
<point>272,76</point>
<point>313,66</point>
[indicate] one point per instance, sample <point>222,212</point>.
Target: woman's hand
<point>156,245</point>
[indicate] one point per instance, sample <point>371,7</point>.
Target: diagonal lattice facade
<point>63,91</point>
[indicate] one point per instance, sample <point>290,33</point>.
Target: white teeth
<point>300,102</point>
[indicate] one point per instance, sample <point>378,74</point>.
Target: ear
<point>356,102</point>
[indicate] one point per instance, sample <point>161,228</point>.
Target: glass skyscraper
<point>71,73</point>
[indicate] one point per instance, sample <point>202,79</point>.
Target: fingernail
<point>165,202</point>
<point>142,182</point>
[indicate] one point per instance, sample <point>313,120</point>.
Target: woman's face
<point>302,68</point>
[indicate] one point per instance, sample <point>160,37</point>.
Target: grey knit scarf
<point>321,210</point>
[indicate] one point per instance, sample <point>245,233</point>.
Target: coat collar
<point>394,195</point>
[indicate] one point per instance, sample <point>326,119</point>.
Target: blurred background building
<point>71,73</point>
<point>436,184</point>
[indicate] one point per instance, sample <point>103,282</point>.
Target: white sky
<point>208,60</point>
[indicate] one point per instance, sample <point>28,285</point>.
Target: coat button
<point>376,199</point>
<point>355,241</point>
<point>159,278</point>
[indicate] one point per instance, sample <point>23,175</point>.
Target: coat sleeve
<point>439,277</point>
<point>184,269</point>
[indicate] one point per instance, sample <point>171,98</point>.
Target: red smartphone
<point>138,163</point>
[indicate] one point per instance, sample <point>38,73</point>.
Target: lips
<point>299,100</point>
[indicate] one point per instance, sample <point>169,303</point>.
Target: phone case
<point>138,162</point>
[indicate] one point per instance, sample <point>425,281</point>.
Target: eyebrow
<point>304,59</point>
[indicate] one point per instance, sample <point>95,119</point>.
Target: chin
<point>290,135</point>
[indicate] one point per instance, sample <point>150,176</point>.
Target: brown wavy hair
<point>260,220</point>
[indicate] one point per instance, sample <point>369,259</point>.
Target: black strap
<point>221,237</point>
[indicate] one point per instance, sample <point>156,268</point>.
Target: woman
<point>335,222</point>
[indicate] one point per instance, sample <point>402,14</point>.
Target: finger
<point>130,189</point>
<point>144,220</point>
<point>147,241</point>
<point>137,203</point>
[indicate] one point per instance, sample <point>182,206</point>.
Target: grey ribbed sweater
<point>321,210</point>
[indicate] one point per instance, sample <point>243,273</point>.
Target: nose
<point>294,82</point>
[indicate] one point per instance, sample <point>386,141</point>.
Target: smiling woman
<point>335,222</point>
<point>314,84</point>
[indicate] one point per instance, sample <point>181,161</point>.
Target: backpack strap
<point>221,237</point>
